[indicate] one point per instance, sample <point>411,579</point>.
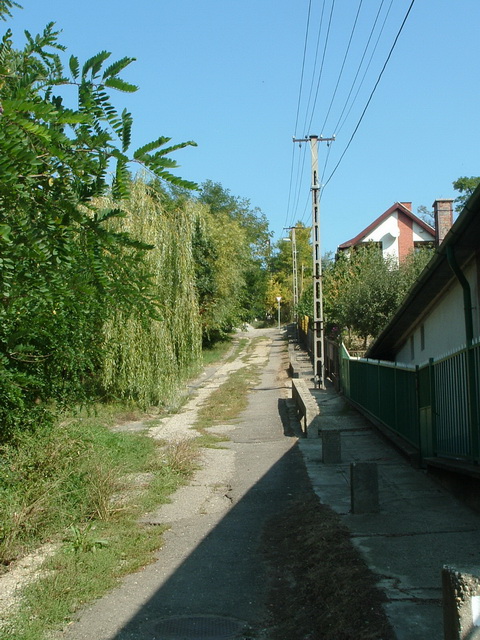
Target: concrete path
<point>209,580</point>
<point>418,528</point>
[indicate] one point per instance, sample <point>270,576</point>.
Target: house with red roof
<point>397,232</point>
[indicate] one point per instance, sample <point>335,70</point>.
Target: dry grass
<point>181,456</point>
<point>321,589</point>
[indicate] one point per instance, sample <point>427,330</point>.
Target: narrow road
<point>210,579</point>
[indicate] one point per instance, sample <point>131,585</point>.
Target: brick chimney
<point>443,212</point>
<point>407,205</point>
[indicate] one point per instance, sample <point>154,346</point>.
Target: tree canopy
<point>362,290</point>
<point>63,268</point>
<point>466,186</point>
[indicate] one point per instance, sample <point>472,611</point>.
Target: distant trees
<point>231,244</point>
<point>281,269</point>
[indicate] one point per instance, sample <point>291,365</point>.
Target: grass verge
<point>82,487</point>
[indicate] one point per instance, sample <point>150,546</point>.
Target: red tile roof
<point>397,206</point>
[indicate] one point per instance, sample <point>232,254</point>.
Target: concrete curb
<point>307,407</point>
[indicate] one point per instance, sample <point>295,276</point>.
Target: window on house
<point>412,348</point>
<point>422,337</point>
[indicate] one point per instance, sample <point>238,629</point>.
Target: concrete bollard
<point>364,487</point>
<point>461,603</point>
<point>331,446</point>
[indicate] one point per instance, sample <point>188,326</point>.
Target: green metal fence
<point>434,407</point>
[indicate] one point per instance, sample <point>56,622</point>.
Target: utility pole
<point>294,269</point>
<point>294,274</point>
<point>318,329</point>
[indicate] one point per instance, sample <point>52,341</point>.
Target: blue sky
<point>228,74</point>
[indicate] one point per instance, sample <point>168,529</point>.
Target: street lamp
<point>278,300</point>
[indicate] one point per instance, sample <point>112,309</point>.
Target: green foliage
<point>147,357</point>
<point>64,269</point>
<point>362,290</point>
<point>466,186</point>
<point>281,268</point>
<point>230,245</point>
<point>51,478</point>
<point>5,8</point>
<point>71,485</point>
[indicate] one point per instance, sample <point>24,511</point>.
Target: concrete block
<point>364,487</point>
<point>307,406</point>
<point>461,603</point>
<point>331,446</point>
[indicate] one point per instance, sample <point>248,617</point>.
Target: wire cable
<point>343,65</point>
<point>321,67</point>
<point>372,93</point>
<point>303,65</point>
<point>300,173</point>
<point>307,28</point>
<point>315,63</point>
<point>338,126</point>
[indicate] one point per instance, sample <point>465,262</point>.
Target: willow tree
<point>221,255</point>
<point>148,355</point>
<point>231,247</point>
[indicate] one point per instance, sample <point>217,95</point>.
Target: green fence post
<point>431,372</point>
<point>472,393</point>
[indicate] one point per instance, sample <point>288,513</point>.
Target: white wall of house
<point>421,235</point>
<point>443,329</point>
<point>387,233</point>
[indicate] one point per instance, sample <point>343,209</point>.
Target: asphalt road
<point>210,579</point>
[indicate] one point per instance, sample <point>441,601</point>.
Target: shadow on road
<point>225,575</point>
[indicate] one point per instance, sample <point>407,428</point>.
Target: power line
<point>371,94</point>
<point>300,173</point>
<point>315,63</point>
<point>298,111</point>
<point>343,65</point>
<point>303,65</point>
<point>339,126</point>
<point>321,67</point>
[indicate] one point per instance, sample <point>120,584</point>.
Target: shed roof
<point>464,238</point>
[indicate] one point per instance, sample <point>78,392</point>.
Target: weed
<point>228,401</point>
<point>181,457</point>
<point>81,539</point>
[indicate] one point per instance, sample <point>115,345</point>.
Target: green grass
<point>227,402</point>
<point>216,352</point>
<point>75,485</point>
<point>82,571</point>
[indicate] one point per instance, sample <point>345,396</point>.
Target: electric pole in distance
<point>318,329</point>
<point>294,268</point>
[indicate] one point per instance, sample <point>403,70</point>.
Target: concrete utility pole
<point>294,274</point>
<point>294,268</point>
<point>318,329</point>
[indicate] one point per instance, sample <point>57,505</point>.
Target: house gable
<point>398,231</point>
